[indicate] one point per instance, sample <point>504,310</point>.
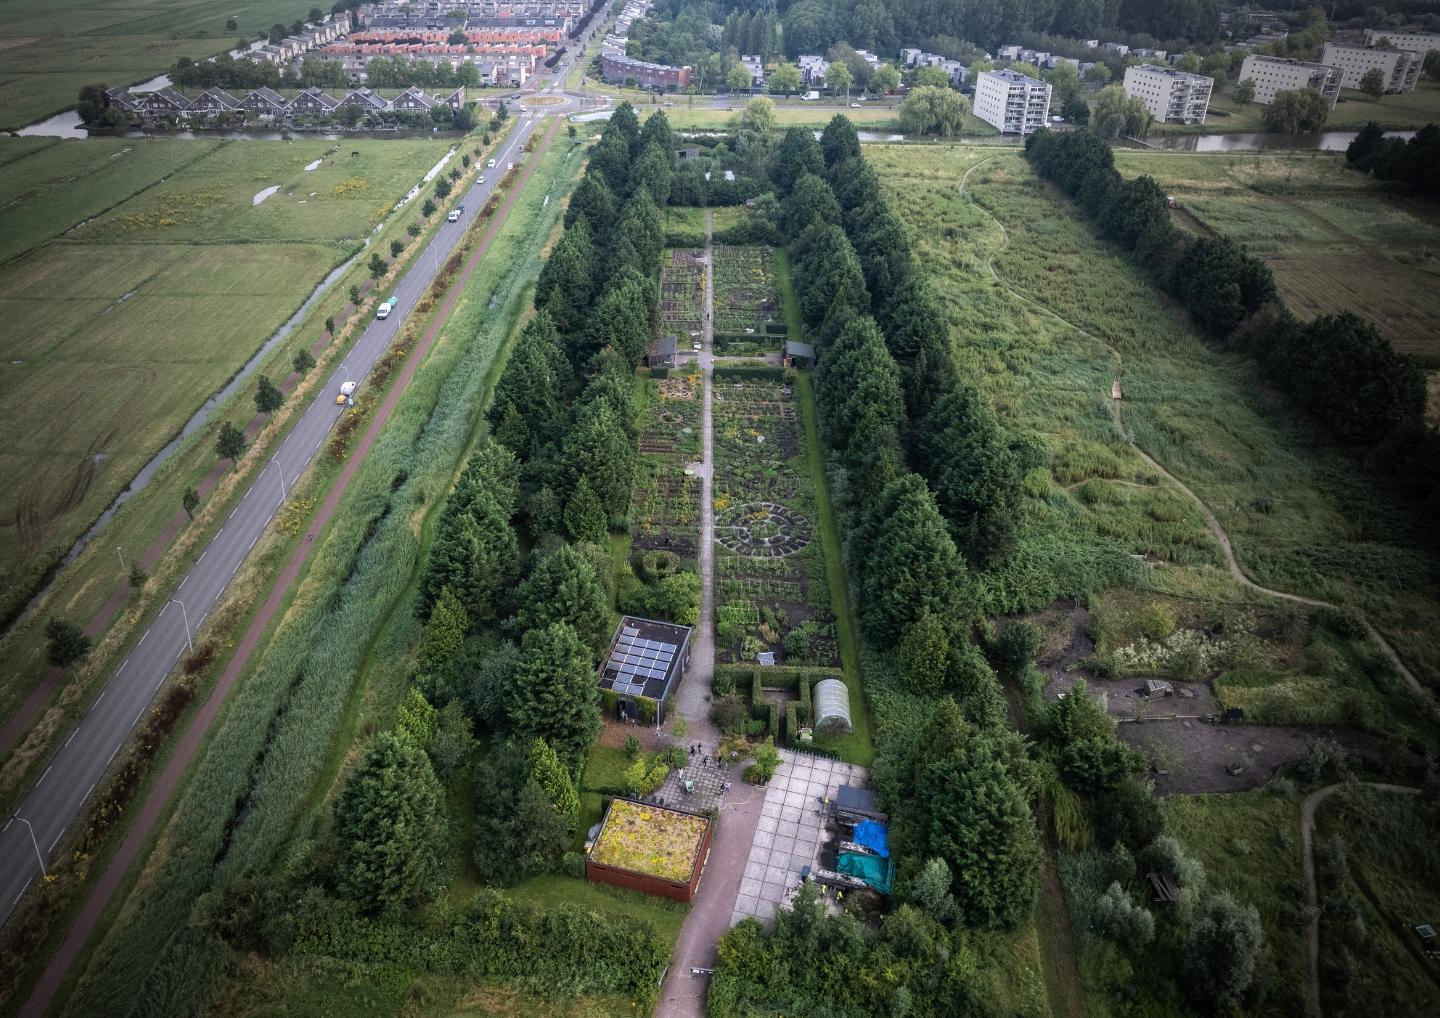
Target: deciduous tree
<point>230,443</point>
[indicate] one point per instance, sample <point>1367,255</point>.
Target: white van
<point>383,311</point>
<point>490,165</point>
<point>453,217</point>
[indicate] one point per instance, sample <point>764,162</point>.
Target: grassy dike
<point>276,730</point>
<point>84,587</point>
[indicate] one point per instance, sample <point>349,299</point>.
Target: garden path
<point>1223,538</point>
<point>1307,860</point>
<point>683,993</point>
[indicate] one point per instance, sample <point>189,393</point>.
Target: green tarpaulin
<point>871,869</point>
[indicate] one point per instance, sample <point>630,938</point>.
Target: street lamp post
<point>281,469</point>
<point>33,842</point>
<point>118,549</point>
<point>186,615</point>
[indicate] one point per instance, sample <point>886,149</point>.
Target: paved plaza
<point>790,831</point>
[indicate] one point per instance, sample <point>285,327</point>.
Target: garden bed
<point>771,595</point>
<point>666,511</point>
<point>650,848</point>
<point>747,300</point>
<point>682,293</point>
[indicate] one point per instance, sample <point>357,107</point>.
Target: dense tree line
<point>1338,367</point>
<point>1415,161</point>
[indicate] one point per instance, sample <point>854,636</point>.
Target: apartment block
<point>619,68</point>
<point>1281,74</point>
<point>1014,103</point>
<point>1399,67</point>
<point>1416,42</point>
<point>1171,96</point>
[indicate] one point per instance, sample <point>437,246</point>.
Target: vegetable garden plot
<point>667,499</point>
<point>747,301</point>
<point>682,293</point>
<point>770,567</point>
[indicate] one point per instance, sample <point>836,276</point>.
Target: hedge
<point>684,238</point>
<point>568,949</point>
<point>756,372</point>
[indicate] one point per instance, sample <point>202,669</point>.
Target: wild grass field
<point>1336,240</point>
<point>1332,532</point>
<point>53,47</point>
<point>140,279</point>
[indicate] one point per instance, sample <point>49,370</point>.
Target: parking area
<point>790,831</point>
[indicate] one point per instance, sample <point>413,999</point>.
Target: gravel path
<point>1216,528</point>
<point>1307,858</point>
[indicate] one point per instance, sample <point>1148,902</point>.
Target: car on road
<point>383,311</point>
<point>856,106</point>
<point>453,217</point>
<point>481,179</point>
<point>697,346</point>
<point>490,165</point>
<point>346,391</point>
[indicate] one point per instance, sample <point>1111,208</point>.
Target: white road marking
<point>44,776</point>
<point>118,671</point>
<point>147,632</point>
<point>103,692</point>
<point>22,893</point>
<point>202,556</point>
<point>57,839</point>
<point>71,739</point>
<point>88,791</point>
<point>138,714</point>
<point>232,514</point>
<point>182,582</point>
<point>112,756</point>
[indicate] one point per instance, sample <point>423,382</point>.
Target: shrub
<point>1119,919</point>
<point>1016,647</point>
<point>632,747</point>
<point>1223,950</point>
<point>1345,622</point>
<point>728,713</point>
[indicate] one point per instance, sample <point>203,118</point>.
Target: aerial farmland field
<point>140,277</point>
<point>1336,239</point>
<point>52,49</point>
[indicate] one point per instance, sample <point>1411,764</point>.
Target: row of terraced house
<point>266,104</point>
<point>505,56</point>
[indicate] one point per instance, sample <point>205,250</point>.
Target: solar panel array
<point>633,661</point>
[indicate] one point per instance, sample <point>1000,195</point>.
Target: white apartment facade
<point>1416,42</point>
<point>1171,96</point>
<point>1400,68</point>
<point>1282,74</point>
<point>1014,103</point>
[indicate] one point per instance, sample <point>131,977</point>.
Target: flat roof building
<point>646,660</point>
<point>1398,67</point>
<point>1012,102</point>
<point>1172,96</point>
<point>1281,74</point>
<point>1418,42</point>
<point>620,68</point>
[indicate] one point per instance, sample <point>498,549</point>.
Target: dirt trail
<point>1216,528</point>
<point>191,741</point>
<point>1307,859</point>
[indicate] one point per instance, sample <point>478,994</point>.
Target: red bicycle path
<point>104,890</point>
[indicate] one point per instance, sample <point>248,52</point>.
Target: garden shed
<point>832,706</point>
<point>801,355</point>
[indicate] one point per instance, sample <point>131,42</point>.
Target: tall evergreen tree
<point>553,694</point>
<point>391,826</point>
<point>977,480</point>
<point>566,286</point>
<point>563,587</point>
<point>839,141</point>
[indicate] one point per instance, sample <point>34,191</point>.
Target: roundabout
<point>762,530</point>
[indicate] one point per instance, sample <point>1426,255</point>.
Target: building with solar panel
<point>645,662</point>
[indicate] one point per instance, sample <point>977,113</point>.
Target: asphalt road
<point>30,835</point>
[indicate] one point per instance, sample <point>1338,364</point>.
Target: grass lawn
<point>1394,885</point>
<point>605,768</point>
<point>551,892</point>
<point>1335,239</point>
<point>1203,413</point>
<point>53,48</point>
<point>1250,845</point>
<point>167,279</point>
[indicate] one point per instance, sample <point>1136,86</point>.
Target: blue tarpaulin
<point>873,835</point>
<point>875,872</point>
